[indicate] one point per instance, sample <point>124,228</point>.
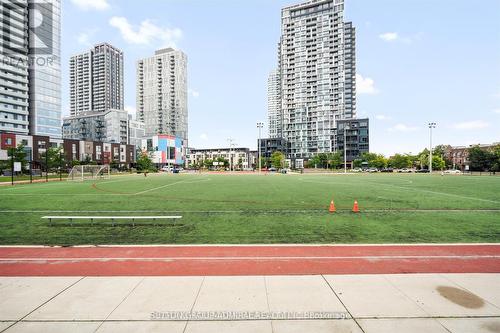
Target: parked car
<point>453,172</point>
<point>405,170</point>
<point>357,170</point>
<point>373,170</point>
<point>387,170</point>
<point>422,171</point>
<point>166,168</point>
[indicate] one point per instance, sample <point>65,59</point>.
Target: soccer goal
<point>89,172</point>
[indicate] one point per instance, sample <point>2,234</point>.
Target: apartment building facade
<point>30,71</point>
<point>107,126</point>
<point>162,93</point>
<point>72,149</point>
<point>316,69</point>
<point>96,80</point>
<point>353,134</point>
<point>240,158</point>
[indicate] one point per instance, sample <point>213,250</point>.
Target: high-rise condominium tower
<point>96,80</point>
<point>316,69</point>
<point>162,93</point>
<point>30,72</point>
<point>274,114</point>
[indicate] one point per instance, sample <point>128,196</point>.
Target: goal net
<point>89,172</point>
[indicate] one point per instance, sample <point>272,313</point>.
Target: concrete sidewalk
<point>313,303</point>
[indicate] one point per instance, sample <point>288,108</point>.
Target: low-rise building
<point>73,150</point>
<point>270,145</point>
<point>136,132</point>
<point>239,158</point>
<point>459,155</point>
<point>165,150</point>
<point>108,126</point>
<point>353,134</point>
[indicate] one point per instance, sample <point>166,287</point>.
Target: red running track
<point>248,260</point>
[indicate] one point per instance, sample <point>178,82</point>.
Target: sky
<point>418,61</point>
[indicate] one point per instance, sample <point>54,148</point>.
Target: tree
<point>54,158</point>
<point>438,163</point>
<point>480,160</point>
<point>400,161</point>
<point>314,162</point>
<point>144,162</point>
<point>19,155</point>
<point>277,159</point>
<point>374,160</point>
<point>335,160</point>
<point>495,158</point>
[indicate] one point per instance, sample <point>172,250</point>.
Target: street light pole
<point>345,148</point>
<point>260,125</point>
<point>431,126</point>
<point>231,145</point>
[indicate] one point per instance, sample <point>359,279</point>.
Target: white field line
<point>261,258</point>
<point>258,211</point>
<point>171,184</point>
<point>434,192</point>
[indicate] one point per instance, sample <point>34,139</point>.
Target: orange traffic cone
<point>332,207</point>
<point>355,208</point>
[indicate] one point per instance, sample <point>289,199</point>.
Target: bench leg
<point>71,221</point>
<point>113,221</point>
<point>133,222</point>
<point>50,222</point>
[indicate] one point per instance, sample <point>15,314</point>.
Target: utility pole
<point>260,125</point>
<point>431,126</point>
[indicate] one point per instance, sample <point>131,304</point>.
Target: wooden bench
<point>112,218</point>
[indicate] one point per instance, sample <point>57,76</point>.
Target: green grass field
<point>222,208</point>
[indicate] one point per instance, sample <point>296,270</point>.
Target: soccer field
<point>274,208</point>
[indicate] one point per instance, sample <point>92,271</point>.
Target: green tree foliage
<point>278,159</point>
<point>54,158</point>
<point>480,160</point>
<point>144,162</point>
<point>438,163</point>
<point>400,161</point>
<point>374,160</point>
<point>19,155</point>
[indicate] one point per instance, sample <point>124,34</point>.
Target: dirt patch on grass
<point>461,297</point>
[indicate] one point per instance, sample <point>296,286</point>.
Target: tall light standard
<point>431,126</point>
<point>345,149</point>
<point>231,146</point>
<point>260,125</point>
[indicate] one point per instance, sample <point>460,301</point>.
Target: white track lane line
<point>264,258</point>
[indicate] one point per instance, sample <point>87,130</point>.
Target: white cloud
<point>365,85</point>
<point>496,111</point>
<point>193,93</point>
<point>91,4</point>
<point>84,38</point>
<point>471,125</point>
<point>403,128</point>
<point>382,117</point>
<point>389,36</point>
<point>204,137</point>
<point>146,33</point>
<point>394,36</point>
